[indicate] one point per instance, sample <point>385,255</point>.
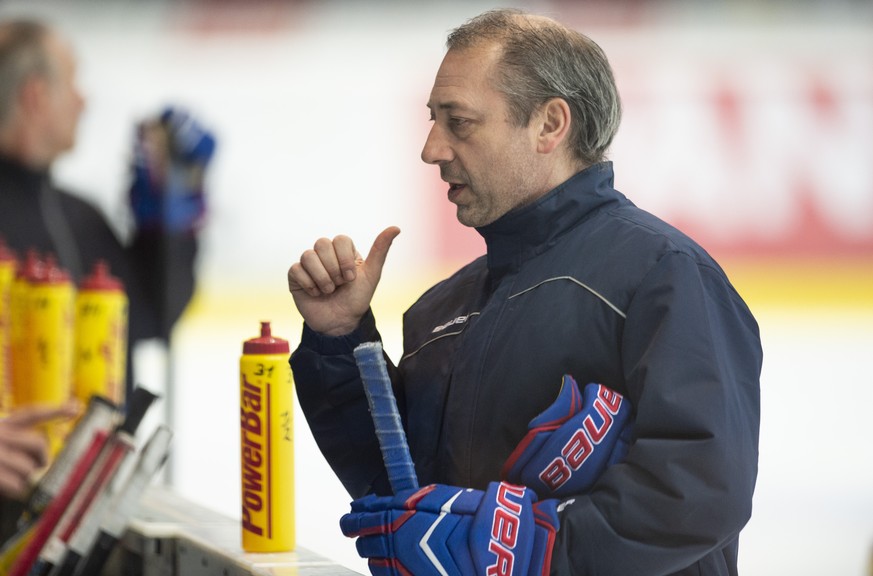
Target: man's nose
<point>436,149</point>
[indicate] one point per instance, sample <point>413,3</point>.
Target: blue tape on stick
<point>386,418</point>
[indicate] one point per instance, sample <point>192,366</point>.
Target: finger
<point>347,257</point>
<point>13,485</point>
<point>19,465</point>
<point>356,524</point>
<point>330,261</point>
<point>24,462</point>
<point>379,251</point>
<point>313,264</point>
<point>298,279</point>
<point>377,546</point>
<point>23,447</point>
<point>34,415</point>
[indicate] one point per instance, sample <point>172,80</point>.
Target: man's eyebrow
<point>450,105</point>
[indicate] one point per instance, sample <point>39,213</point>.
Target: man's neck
<point>562,171</point>
<point>18,144</point>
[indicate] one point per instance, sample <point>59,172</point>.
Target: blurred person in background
<point>576,280</point>
<point>40,107</point>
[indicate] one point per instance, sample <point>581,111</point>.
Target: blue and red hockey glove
<point>571,443</point>
<point>439,530</point>
<point>170,157</point>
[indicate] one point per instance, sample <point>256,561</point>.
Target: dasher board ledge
<point>171,536</point>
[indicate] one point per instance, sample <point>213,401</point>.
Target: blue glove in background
<point>443,529</point>
<point>571,443</point>
<point>171,154</point>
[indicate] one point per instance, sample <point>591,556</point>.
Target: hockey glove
<point>571,443</point>
<point>171,154</point>
<point>441,530</point>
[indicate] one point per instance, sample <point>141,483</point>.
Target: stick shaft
<point>386,417</point>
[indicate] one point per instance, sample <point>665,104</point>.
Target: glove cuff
<point>546,520</point>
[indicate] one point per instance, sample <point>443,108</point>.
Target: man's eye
<point>459,125</point>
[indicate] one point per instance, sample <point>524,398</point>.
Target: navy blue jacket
<point>580,282</point>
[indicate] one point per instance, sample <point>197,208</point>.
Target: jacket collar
<point>18,177</point>
<point>530,230</point>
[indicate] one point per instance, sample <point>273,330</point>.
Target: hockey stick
<point>121,446</point>
<point>108,517</point>
<point>99,415</point>
<point>386,418</point>
<point>51,520</point>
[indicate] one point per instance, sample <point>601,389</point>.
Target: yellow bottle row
<point>57,340</point>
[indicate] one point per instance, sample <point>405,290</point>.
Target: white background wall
<point>319,112</point>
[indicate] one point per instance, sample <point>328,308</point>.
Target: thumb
<point>379,250</point>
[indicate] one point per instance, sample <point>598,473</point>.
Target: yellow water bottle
<point>267,444</point>
<point>8,266</point>
<point>20,330</point>
<point>100,358</point>
<point>49,335</point>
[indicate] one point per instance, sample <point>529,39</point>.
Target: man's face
<point>489,163</point>
<point>64,102</point>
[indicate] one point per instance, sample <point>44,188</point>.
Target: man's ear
<point>554,125</point>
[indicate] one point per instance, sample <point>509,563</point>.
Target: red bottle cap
<point>266,343</point>
<point>53,273</point>
<point>33,269</point>
<point>101,279</point>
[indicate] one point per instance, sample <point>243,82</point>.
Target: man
<point>40,105</point>
<point>577,280</point>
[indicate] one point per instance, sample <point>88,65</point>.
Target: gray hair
<point>22,54</point>
<point>542,59</point>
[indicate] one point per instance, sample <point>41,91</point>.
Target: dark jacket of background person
<point>157,269</point>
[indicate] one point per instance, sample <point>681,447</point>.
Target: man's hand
<point>571,443</point>
<point>440,530</point>
<point>24,448</point>
<point>332,285</point>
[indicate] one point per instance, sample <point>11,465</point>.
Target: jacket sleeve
<point>691,358</point>
<point>332,398</point>
<point>163,280</point>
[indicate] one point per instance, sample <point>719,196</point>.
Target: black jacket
<point>581,282</point>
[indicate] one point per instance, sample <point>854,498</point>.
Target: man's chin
<point>470,219</point>
<point>63,149</point>
<point>463,216</point>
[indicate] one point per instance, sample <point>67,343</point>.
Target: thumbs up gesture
<point>333,285</point>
